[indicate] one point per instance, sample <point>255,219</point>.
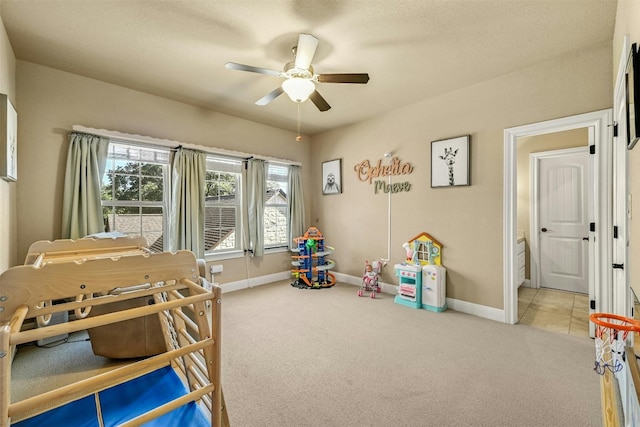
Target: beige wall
<point>466,220</point>
<point>537,144</point>
<point>53,101</point>
<point>628,22</point>
<point>8,234</point>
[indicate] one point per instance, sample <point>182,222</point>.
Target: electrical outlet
<point>216,269</point>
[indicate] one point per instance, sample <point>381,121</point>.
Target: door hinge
<point>592,304</point>
<point>592,149</point>
<point>615,231</point>
<point>619,266</point>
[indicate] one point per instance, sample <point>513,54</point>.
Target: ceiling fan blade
<point>319,101</point>
<point>259,70</point>
<point>361,78</point>
<point>305,50</point>
<point>270,96</point>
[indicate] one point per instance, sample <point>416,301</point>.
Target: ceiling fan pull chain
<point>299,137</point>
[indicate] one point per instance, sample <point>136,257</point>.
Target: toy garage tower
<point>311,267</point>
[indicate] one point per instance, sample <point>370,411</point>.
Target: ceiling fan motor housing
<point>291,71</point>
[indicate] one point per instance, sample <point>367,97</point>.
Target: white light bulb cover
<point>298,89</point>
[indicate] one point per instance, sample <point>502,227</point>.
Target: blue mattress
<point>124,402</point>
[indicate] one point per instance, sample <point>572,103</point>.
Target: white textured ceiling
<point>412,49</point>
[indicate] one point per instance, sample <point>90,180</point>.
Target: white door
<point>564,222</point>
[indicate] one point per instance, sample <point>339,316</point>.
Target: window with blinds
<point>276,210</point>
<point>222,229</point>
<point>135,196</point>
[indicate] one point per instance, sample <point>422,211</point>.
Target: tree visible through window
<point>133,192</point>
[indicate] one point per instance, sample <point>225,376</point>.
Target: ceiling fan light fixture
<point>298,88</point>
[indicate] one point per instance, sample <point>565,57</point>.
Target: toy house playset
<point>421,277</point>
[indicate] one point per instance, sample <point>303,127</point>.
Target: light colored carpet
<point>325,357</point>
<point>295,357</point>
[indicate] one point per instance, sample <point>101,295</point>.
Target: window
<point>222,222</point>
<point>276,210</point>
<point>133,192</point>
<point>422,251</point>
<point>135,198</point>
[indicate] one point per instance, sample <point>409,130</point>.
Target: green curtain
<point>256,179</point>
<point>81,207</point>
<point>186,224</point>
<point>296,205</point>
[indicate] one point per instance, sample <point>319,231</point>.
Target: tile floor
<point>560,311</point>
<point>553,310</point>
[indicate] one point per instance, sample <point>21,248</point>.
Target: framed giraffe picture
<point>450,165</point>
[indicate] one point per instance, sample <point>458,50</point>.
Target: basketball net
<point>611,336</point>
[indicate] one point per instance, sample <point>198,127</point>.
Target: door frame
<point>599,122</point>
<point>622,299</point>
<point>534,209</point>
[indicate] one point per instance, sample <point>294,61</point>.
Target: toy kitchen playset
<point>421,277</point>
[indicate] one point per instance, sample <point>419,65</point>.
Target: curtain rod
<point>175,144</point>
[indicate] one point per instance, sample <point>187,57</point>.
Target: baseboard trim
<point>453,304</point>
<point>255,281</point>
<point>483,311</point>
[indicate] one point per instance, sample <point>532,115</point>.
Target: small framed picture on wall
<point>8,140</point>
<point>332,177</point>
<point>450,162</point>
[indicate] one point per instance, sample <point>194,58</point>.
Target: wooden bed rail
<point>64,249</point>
<point>104,319</point>
<point>89,386</point>
<point>30,285</point>
<point>168,407</point>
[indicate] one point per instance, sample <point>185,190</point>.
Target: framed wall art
<point>450,162</point>
<point>332,177</point>
<point>8,140</point>
<point>633,98</point>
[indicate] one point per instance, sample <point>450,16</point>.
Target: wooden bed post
<point>5,374</point>
<point>6,357</point>
<point>215,368</point>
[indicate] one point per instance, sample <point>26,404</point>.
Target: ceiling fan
<point>300,78</point>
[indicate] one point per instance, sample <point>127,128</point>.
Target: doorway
<point>561,209</point>
<point>597,124</point>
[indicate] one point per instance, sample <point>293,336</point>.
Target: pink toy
<point>409,251</point>
<point>370,278</point>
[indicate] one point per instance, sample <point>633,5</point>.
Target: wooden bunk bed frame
<point>68,250</point>
<point>190,315</point>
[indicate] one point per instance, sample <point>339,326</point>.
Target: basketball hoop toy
<point>611,334</point>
